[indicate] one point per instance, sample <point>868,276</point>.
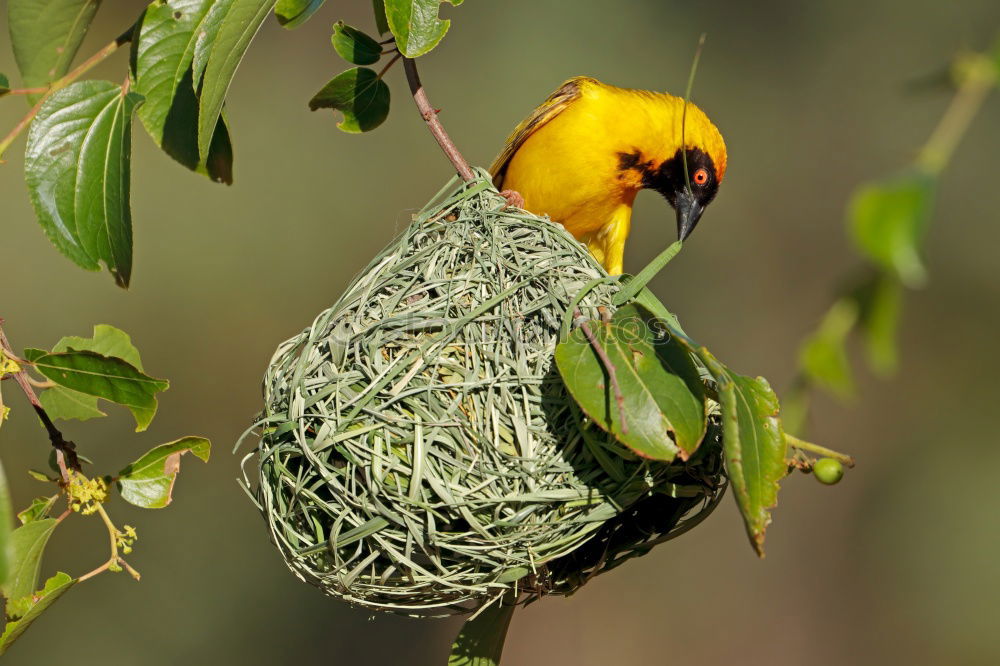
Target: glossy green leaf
<point>381,22</point>
<point>6,522</point>
<point>415,25</point>
<point>663,397</point>
<point>888,221</point>
<point>25,610</point>
<point>38,510</point>
<point>105,377</point>
<point>881,303</point>
<point>823,356</point>
<point>293,13</point>
<point>360,95</point>
<point>77,166</point>
<point>205,39</point>
<point>149,481</point>
<point>481,639</point>
<point>27,544</point>
<point>4,85</point>
<point>355,46</point>
<point>46,35</point>
<point>753,444</point>
<point>162,71</point>
<point>240,21</point>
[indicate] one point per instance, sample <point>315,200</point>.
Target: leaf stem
<point>27,91</point>
<point>389,64</point>
<point>979,79</point>
<point>60,83</point>
<point>803,445</point>
<point>429,115</point>
<point>65,450</point>
<point>113,535</point>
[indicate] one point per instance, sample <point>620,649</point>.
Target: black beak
<point>688,213</point>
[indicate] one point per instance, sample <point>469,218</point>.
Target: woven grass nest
<point>418,451</point>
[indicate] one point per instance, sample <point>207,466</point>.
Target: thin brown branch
<point>28,91</point>
<point>609,366</point>
<point>58,84</point>
<point>389,64</point>
<point>429,115</point>
<point>65,450</point>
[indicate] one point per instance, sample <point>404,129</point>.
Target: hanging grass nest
<point>419,452</point>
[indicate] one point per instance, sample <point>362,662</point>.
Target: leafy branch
<point>78,372</point>
<point>887,221</point>
<point>59,84</point>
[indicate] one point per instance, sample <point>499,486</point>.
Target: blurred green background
<point>898,564</point>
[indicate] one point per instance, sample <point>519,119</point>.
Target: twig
<point>65,450</point>
<point>115,559</point>
<point>429,115</point>
<point>69,78</point>
<point>609,366</point>
<point>978,82</point>
<point>803,445</point>
<point>28,91</point>
<point>390,64</point>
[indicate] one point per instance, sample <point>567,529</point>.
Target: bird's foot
<point>514,199</point>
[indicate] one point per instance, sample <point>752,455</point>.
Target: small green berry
<point>828,471</point>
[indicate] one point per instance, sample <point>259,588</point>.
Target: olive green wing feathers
<point>549,109</point>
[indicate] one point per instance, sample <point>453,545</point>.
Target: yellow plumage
<point>583,155</point>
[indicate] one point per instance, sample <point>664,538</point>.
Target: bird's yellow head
<point>689,187</point>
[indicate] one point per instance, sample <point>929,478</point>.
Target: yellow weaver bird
<point>583,155</point>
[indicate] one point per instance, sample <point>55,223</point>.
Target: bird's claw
<point>514,199</point>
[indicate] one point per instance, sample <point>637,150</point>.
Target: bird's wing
<point>549,109</point>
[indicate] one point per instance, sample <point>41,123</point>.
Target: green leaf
<point>4,85</point>
<point>106,341</point>
<point>6,550</point>
<point>27,543</point>
<point>888,221</point>
<point>360,95</point>
<point>149,481</point>
<point>881,303</point>
<point>823,356</point>
<point>77,168</point>
<point>415,25</point>
<point>663,397</point>
<point>381,22</point>
<point>355,46</point>
<point>63,403</point>
<point>38,510</point>
<point>31,606</point>
<point>105,377</point>
<point>162,71</point>
<point>293,13</point>
<point>753,445</point>
<point>480,641</point>
<point>205,39</point>
<point>240,21</point>
<point>46,35</point>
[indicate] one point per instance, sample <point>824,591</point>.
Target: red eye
<point>700,176</point>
